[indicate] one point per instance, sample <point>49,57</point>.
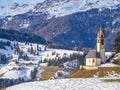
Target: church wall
<point>102,53</point>
<point>90,67</point>
<point>93,61</point>
<point>98,61</point>
<point>98,47</point>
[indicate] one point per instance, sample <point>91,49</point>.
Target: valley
<point>59,44</point>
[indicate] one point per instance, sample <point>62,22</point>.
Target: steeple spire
<point>101,43</point>
<point>101,32</point>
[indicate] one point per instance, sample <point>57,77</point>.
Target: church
<point>97,56</point>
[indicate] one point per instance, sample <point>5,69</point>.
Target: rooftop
<point>93,54</point>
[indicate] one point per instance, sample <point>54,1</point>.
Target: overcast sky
<point>7,3</point>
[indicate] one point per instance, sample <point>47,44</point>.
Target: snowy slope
<point>68,84</point>
<point>8,50</point>
<point>23,68</point>
<point>60,7</point>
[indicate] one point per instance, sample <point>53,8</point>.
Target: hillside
<point>100,73</point>
<point>24,62</point>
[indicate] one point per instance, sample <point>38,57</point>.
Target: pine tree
<point>32,50</point>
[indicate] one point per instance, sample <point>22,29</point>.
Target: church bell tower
<point>101,44</point>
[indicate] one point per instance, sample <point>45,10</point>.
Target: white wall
<point>98,47</point>
<point>90,62</point>
<point>102,54</point>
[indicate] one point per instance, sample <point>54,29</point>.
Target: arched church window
<point>93,61</point>
<point>102,36</point>
<point>102,41</point>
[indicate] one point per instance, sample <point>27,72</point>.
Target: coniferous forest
<point>22,37</point>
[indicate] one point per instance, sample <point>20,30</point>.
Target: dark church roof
<point>93,54</point>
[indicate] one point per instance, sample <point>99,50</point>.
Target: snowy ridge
<point>15,11</point>
<point>68,84</point>
<point>66,7</point>
<point>61,7</point>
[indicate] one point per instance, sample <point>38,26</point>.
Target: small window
<point>93,61</point>
<point>102,41</point>
<point>102,36</point>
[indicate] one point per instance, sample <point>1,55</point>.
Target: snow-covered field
<point>68,84</point>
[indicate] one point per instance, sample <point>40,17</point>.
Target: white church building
<point>97,56</point>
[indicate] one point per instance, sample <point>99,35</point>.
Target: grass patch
<point>102,72</point>
<point>49,72</point>
<point>3,89</point>
<point>111,80</point>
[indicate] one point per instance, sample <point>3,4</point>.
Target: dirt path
<point>49,72</point>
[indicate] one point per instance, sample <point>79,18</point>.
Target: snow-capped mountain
<point>59,7</point>
<point>65,7</point>
<point>15,9</point>
<point>65,22</point>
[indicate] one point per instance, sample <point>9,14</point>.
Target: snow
<point>16,11</point>
<point>9,18</point>
<point>23,68</point>
<point>112,75</point>
<point>68,84</point>
<point>25,25</point>
<point>61,8</point>
<point>108,65</point>
<point>13,71</point>
<point>108,54</point>
<point>114,22</point>
<point>8,50</point>
<point>65,8</point>
<point>7,3</point>
<point>117,56</point>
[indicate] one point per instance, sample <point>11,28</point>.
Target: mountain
<point>68,23</point>
<point>58,8</point>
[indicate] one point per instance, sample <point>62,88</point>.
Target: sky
<point>8,3</point>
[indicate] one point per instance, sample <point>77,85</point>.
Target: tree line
<point>22,37</point>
